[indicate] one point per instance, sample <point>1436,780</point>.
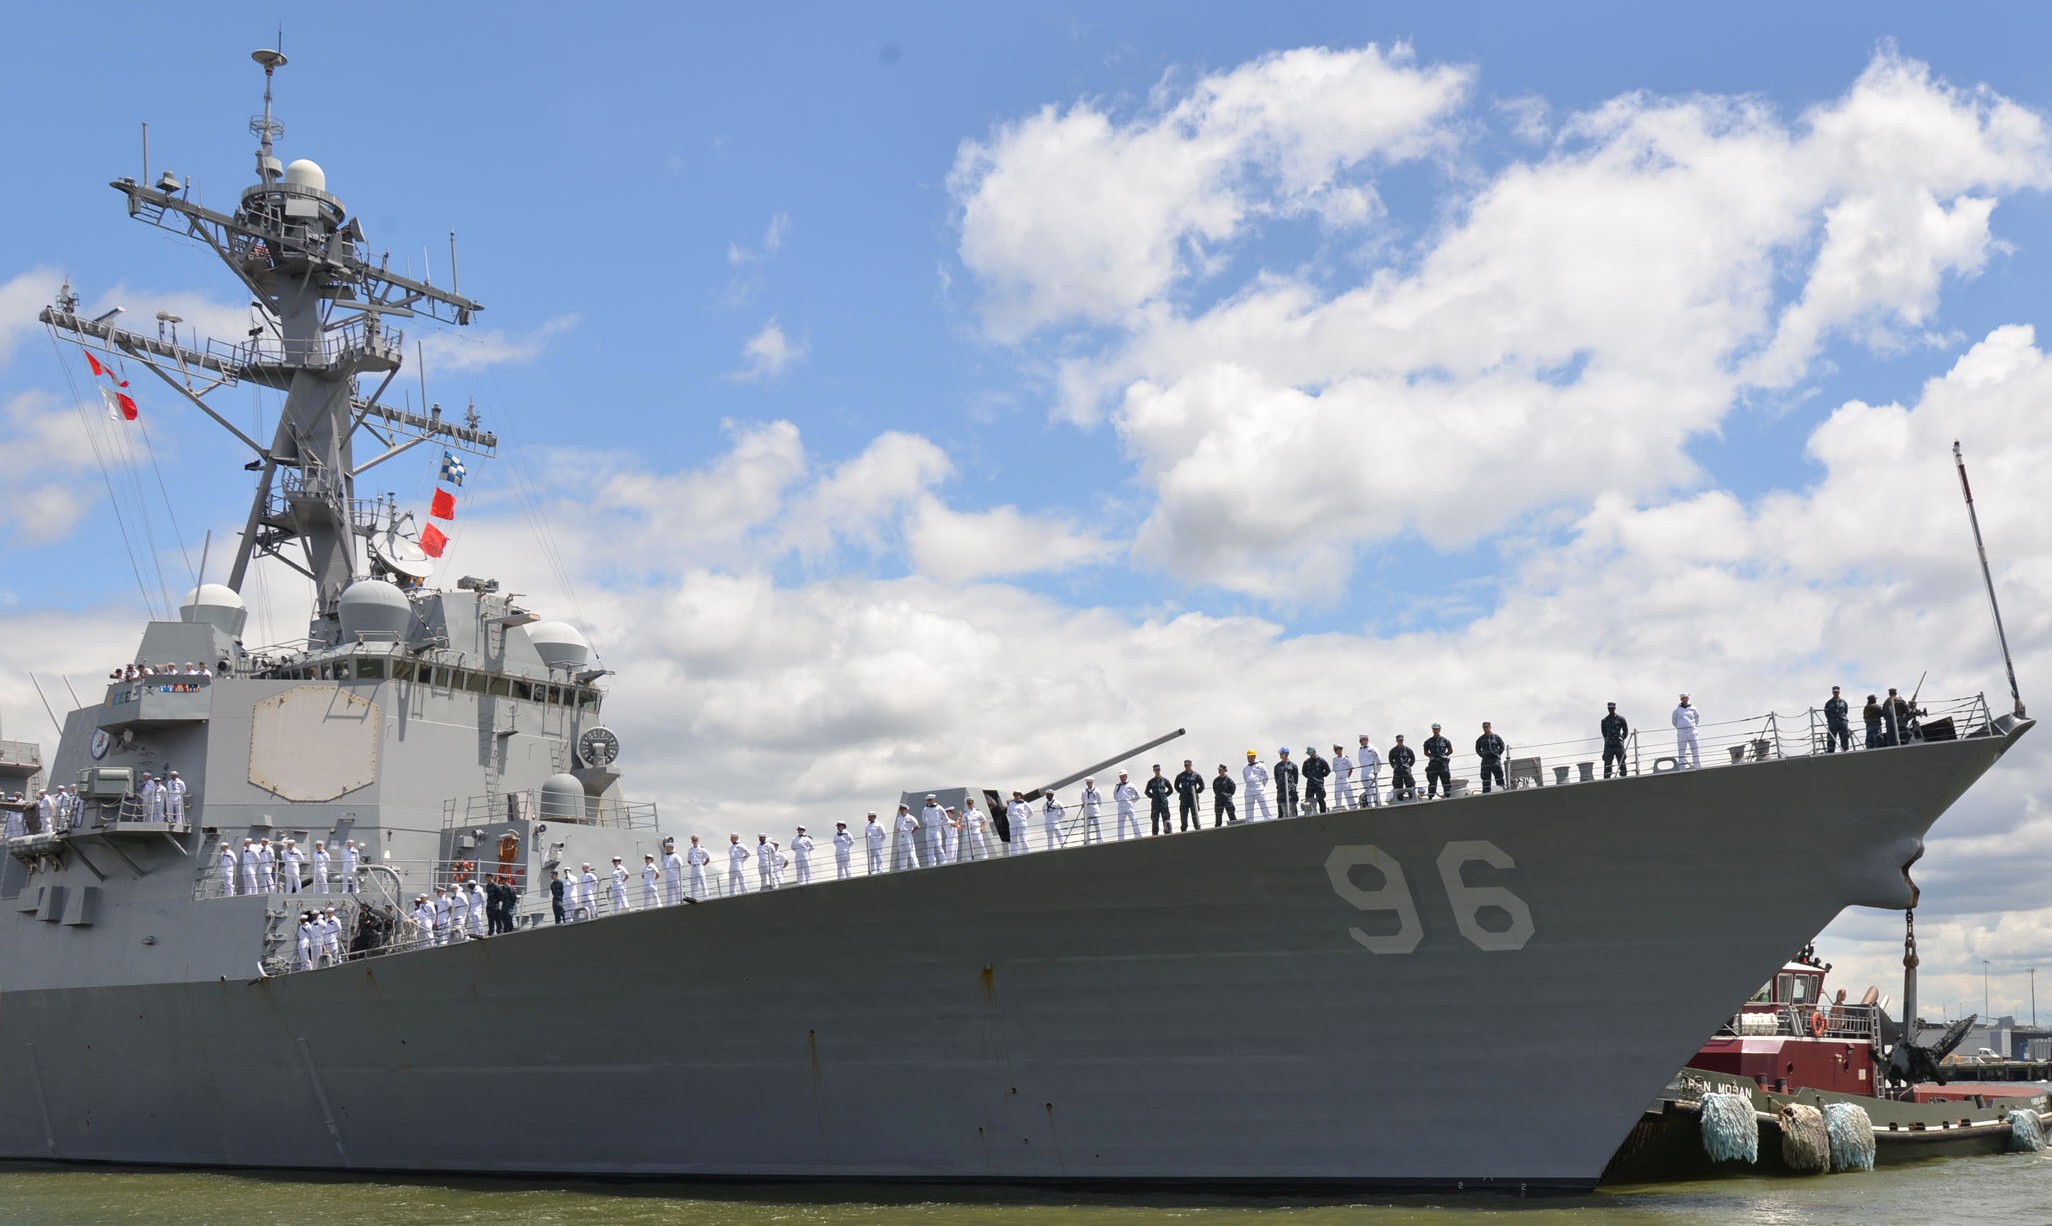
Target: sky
<point>914,394</point>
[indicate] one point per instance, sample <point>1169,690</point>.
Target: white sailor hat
<point>616,859</point>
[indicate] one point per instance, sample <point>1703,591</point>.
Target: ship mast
<point>322,309</point>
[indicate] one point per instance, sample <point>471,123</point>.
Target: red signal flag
<point>432,541</point>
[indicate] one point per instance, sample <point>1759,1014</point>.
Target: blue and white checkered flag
<point>452,469</point>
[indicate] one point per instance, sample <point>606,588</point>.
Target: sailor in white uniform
<point>1368,764</point>
<point>1686,717</point>
<point>844,850</point>
<point>289,864</point>
<point>951,837</point>
<point>320,863</point>
<point>478,914</point>
<point>174,790</point>
<point>765,863</point>
<point>975,832</point>
<point>267,866</point>
<point>249,866</point>
<point>227,870</point>
<point>46,812</point>
<point>424,923</point>
<point>1018,819</point>
<point>801,851</point>
<point>307,938</point>
<point>873,843</point>
<point>697,858</point>
<point>1052,812</point>
<point>1342,778</point>
<point>331,936</point>
<point>587,892</point>
<point>456,920</point>
<point>444,912</point>
<point>907,855</point>
<point>1124,797</point>
<point>1093,808</point>
<point>1254,789</point>
<point>617,891</point>
<point>349,867</point>
<point>152,799</point>
<point>737,856</point>
<point>673,872</point>
<point>933,819</point>
<point>650,875</point>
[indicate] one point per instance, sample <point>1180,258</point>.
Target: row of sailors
<point>460,911</point>
<point>261,868</point>
<point>157,800</point>
<point>136,672</point>
<point>320,939</point>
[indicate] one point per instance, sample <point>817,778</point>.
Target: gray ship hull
<point>1261,1005</point>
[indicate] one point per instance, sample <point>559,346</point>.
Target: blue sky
<point>788,310</point>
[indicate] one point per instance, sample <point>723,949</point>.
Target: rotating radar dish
<point>402,555</point>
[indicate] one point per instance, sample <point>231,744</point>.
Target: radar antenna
<point>325,308</point>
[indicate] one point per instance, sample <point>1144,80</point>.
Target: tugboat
<point>1218,1008</point>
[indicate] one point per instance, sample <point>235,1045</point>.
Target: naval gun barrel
<point>1114,760</point>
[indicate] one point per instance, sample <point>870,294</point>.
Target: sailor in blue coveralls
<point>1438,756</point>
<point>1837,723</point>
<point>1615,729</point>
<point>1490,748</point>
<point>1285,784</point>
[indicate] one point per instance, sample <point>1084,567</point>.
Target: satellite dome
<point>373,609</point>
<point>559,644</point>
<point>562,799</point>
<point>305,172</point>
<point>216,605</point>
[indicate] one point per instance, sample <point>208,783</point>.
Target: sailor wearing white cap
<point>1124,797</point>
<point>587,892</point>
<point>907,855</point>
<point>1342,778</point>
<point>1017,814</point>
<point>174,790</point>
<point>1052,812</point>
<point>650,874</point>
<point>458,915</point>
<point>975,827</point>
<point>249,866</point>
<point>933,820</point>
<point>844,848</point>
<point>765,863</point>
<point>267,866</point>
<point>320,865</point>
<point>445,916</point>
<point>289,864</point>
<point>873,835</point>
<point>1369,763</point>
<point>349,866</point>
<point>782,862</point>
<point>1686,717</point>
<point>1093,808</point>
<point>152,799</point>
<point>46,812</point>
<point>424,923</point>
<point>227,870</point>
<point>697,858</point>
<point>673,872</point>
<point>308,935</point>
<point>479,913</point>
<point>737,856</point>
<point>801,850</point>
<point>617,890</point>
<point>331,936</point>
<point>1254,789</point>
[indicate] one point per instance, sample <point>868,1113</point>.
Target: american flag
<point>452,469</point>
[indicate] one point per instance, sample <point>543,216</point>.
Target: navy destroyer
<point>1398,994</point>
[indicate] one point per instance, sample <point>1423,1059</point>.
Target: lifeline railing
<point>1720,744</point>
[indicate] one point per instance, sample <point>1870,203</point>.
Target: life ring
<point>1818,1023</point>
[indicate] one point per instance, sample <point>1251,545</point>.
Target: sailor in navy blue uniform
<point>1837,723</point>
<point>1189,786</point>
<point>1438,772</point>
<point>1615,730</point>
<point>1401,759</point>
<point>1285,784</point>
<point>1222,789</point>
<point>1316,771</point>
<point>1490,748</point>
<point>1158,790</point>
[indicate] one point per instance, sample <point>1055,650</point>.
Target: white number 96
<point>1394,896</point>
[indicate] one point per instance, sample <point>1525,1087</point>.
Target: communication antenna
<point>1974,519</point>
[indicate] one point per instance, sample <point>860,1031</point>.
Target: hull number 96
<point>1393,896</point>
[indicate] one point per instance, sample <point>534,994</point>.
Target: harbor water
<point>2007,1190</point>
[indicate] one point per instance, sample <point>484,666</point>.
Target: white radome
<point>305,172</point>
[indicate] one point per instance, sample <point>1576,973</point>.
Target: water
<point>2007,1190</point>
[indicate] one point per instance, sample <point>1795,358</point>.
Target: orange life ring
<point>1818,1023</point>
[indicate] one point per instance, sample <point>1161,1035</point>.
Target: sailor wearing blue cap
<point>1285,784</point>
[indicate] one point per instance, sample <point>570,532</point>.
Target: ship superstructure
<point>1380,995</point>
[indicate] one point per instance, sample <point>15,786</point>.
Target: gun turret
<point>1112,761</point>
